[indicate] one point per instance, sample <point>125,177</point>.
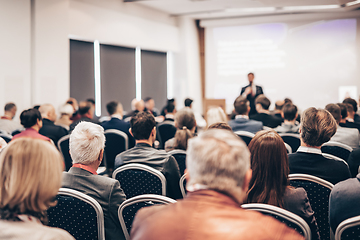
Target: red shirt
<point>31,133</point>
<point>85,167</point>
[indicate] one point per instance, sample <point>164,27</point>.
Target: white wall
<point>15,67</point>
<point>50,52</point>
<point>34,64</point>
<point>186,64</point>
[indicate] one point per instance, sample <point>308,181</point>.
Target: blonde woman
<point>215,115</point>
<point>30,177</point>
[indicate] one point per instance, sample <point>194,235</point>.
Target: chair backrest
<point>337,149</point>
<point>63,146</point>
<point>330,156</point>
<point>6,137</point>
<point>116,142</point>
<point>78,214</point>
<point>138,179</point>
<point>348,229</point>
<point>182,184</point>
<point>292,139</point>
<point>165,131</point>
<point>245,136</point>
<point>180,157</point>
<point>318,191</point>
<point>290,219</point>
<point>288,148</point>
<point>129,208</point>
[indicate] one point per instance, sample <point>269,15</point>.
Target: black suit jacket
<point>82,119</point>
<point>267,119</point>
<point>317,165</point>
<point>106,191</point>
<point>350,125</point>
<point>143,153</point>
<point>251,98</point>
<point>52,131</point>
<point>116,123</point>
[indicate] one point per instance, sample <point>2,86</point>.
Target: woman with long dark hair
<point>270,184</point>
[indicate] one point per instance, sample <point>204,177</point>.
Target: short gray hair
<point>218,159</point>
<point>86,141</point>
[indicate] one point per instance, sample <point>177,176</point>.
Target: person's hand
<point>248,90</point>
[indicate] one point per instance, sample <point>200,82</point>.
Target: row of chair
<point>293,140</point>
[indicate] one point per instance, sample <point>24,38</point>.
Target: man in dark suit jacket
<point>86,112</point>
<point>115,110</point>
<point>144,131</point>
<point>48,128</point>
<point>86,150</point>
<point>317,127</point>
<point>346,110</point>
<point>262,104</point>
<point>251,92</point>
<point>344,201</point>
<point>242,121</point>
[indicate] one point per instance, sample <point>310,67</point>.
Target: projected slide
<point>306,61</point>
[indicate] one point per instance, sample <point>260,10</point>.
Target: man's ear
<point>130,131</point>
<point>101,156</point>
<point>247,179</point>
<point>154,132</point>
<point>187,175</point>
<point>282,115</point>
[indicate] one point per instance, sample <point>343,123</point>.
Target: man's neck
<point>343,120</point>
<point>8,115</point>
<point>290,122</point>
<point>306,145</point>
<point>36,127</point>
<point>149,142</point>
<point>47,119</point>
<point>117,115</point>
<point>86,115</point>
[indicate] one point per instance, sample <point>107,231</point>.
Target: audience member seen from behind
<point>32,121</point>
<point>49,129</point>
<point>7,123</point>
<point>344,115</point>
<point>218,175</point>
<point>142,127</point>
<point>317,127</point>
<point>115,110</point>
<point>347,136</point>
<point>242,121</point>
<point>30,176</point>
<point>262,105</point>
<point>150,106</point>
<point>279,104</point>
<point>86,112</point>
<point>289,114</point>
<point>200,121</point>
<point>66,111</point>
<point>270,184</point>
<point>220,125</point>
<point>186,124</point>
<point>215,115</point>
<point>87,142</point>
<point>354,117</point>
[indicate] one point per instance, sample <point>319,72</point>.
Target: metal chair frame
<point>137,199</point>
<point>181,183</point>
<point>290,135</point>
<point>330,156</point>
<point>288,148</point>
<point>348,223</point>
<point>92,202</point>
<point>121,133</point>
<point>289,216</point>
<point>143,167</point>
<point>337,144</point>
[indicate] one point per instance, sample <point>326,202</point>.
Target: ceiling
<point>209,9</point>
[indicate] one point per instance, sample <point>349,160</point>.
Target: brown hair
<point>30,176</point>
<point>181,138</point>
<point>270,169</point>
<point>220,125</point>
<point>335,111</point>
<point>317,126</point>
<point>241,105</point>
<point>263,101</point>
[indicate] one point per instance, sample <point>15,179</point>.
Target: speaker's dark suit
<point>116,123</point>
<point>251,98</point>
<point>106,191</point>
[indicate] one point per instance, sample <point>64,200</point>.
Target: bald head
<point>48,111</point>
